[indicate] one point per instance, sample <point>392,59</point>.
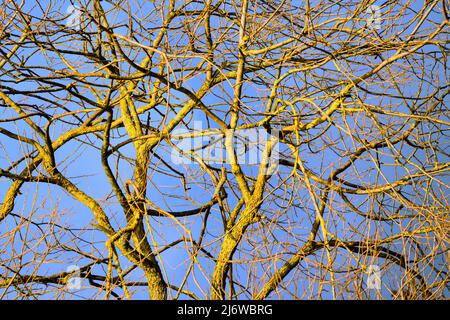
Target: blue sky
<point>83,164</point>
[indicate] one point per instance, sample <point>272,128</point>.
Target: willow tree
<point>101,198</point>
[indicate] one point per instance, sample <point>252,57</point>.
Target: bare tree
<point>100,197</point>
